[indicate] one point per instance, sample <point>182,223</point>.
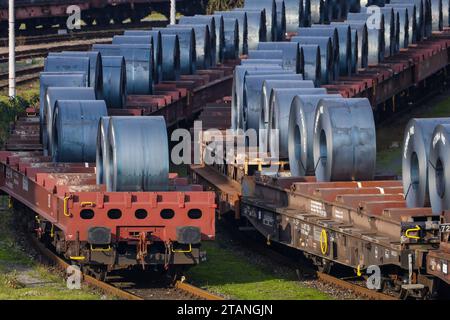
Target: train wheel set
<point>308,82</point>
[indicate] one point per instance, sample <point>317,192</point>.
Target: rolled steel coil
<point>139,64</point>
<point>326,54</point>
<point>437,17</point>
<point>241,17</point>
<point>292,59</point>
<point>142,165</point>
<point>376,44</point>
<point>330,32</point>
<point>220,36</point>
<point>271,15</point>
<point>280,106</point>
<point>171,57</point>
<point>68,64</point>
<point>294,13</point>
<point>301,133</point>
<point>344,140</point>
<point>314,12</point>
<point>202,44</point>
<point>412,19</point>
<point>311,63</point>
<point>256,27</point>
<point>264,118</point>
<point>446,13</point>
<point>416,148</point>
<point>51,97</point>
<point>251,102</point>
<point>53,79</point>
<point>265,54</point>
<point>114,81</point>
<point>211,22</point>
<point>157,52</point>
<point>389,30</point>
<point>343,36</point>
<point>188,57</point>
<point>74,133</point>
<point>276,62</point>
<point>95,68</point>
<point>361,37</point>
<point>419,10</point>
<point>237,88</point>
<point>102,152</point>
<point>231,35</point>
<point>281,20</point>
<point>146,40</point>
<point>402,28</point>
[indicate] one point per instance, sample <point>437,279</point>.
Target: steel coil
<point>188,56</point>
<point>276,62</point>
<point>264,117</point>
<point>237,89</point>
<point>271,15</point>
<point>279,110</point>
<point>446,13</point>
<point>412,22</point>
<point>256,27</point>
<point>437,17</point>
<point>54,94</point>
<point>281,20</point>
<point>402,28</point>
<point>343,36</point>
<point>314,12</point>
<point>360,35</point>
<point>220,36</point>
<point>265,54</point>
<point>171,57</point>
<point>311,63</point>
<point>251,102</point>
<point>332,33</point>
<point>95,68</point>
<point>301,133</point>
<point>389,30</point>
<point>416,147</point>
<point>294,13</point>
<point>52,79</point>
<point>211,22</point>
<point>241,17</point>
<point>74,133</point>
<point>419,15</point>
<point>157,52</point>
<point>139,64</point>
<point>326,55</point>
<point>202,43</point>
<point>376,44</point>
<point>101,155</point>
<point>114,81</point>
<point>231,35</point>
<point>142,165</point>
<point>344,140</point>
<point>68,64</point>
<point>292,59</point>
<point>438,176</point>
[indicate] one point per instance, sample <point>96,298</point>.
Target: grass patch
<point>441,109</point>
<point>235,276</point>
<point>389,160</point>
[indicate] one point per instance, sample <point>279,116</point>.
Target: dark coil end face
<point>188,235</point>
<point>99,235</point>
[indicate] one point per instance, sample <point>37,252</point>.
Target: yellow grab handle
<point>407,232</point>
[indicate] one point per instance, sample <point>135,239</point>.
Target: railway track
<point>126,290</point>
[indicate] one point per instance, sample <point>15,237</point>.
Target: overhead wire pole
<point>12,49</point>
<point>173,12</point>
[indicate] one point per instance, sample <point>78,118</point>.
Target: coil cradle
<point>280,105</point>
<point>301,132</point>
<point>256,27</point>
<point>138,62</point>
<point>157,52</point>
<point>215,43</point>
<point>416,147</point>
<point>188,53</point>
<point>271,15</point>
<point>74,133</point>
<point>344,140</point>
<point>95,68</point>
<point>51,79</point>
<point>137,169</point>
<point>326,55</point>
<point>102,152</point>
<point>114,81</point>
<point>241,17</point>
<point>252,96</point>
<point>292,58</point>
<point>51,97</point>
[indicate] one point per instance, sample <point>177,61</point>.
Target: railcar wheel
<point>323,265</point>
<point>97,272</point>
